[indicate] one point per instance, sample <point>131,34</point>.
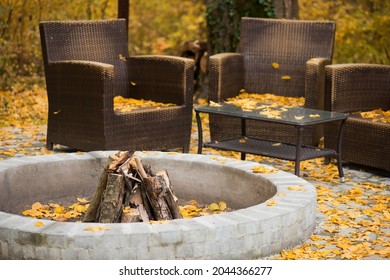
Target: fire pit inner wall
<point>252,230</point>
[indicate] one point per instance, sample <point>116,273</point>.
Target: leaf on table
<point>214,104</point>
<point>314,116</point>
<point>299,117</point>
<point>275,65</point>
<point>286,77</point>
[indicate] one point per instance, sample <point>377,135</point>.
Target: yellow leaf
<point>222,205</point>
<point>276,144</point>
<point>213,207</point>
<point>38,224</point>
<point>299,117</point>
<point>214,104</point>
<point>296,188</point>
<point>314,116</point>
<point>82,200</point>
<point>264,170</point>
<point>286,77</point>
<point>132,83</point>
<point>192,202</point>
<point>160,222</point>
<point>242,140</point>
<point>271,202</point>
<point>36,205</point>
<point>275,65</point>
<point>96,228</point>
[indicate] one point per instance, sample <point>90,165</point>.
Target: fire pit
<point>255,229</point>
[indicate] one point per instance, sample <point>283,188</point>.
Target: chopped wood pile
<point>129,191</point>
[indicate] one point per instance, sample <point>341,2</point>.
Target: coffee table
<point>298,117</point>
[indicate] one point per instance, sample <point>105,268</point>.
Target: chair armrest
<point>357,87</point>
<point>315,83</point>
<point>226,76</point>
<point>161,78</point>
<point>80,86</point>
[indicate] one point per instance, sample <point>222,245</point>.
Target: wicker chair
<point>352,88</point>
<point>301,48</point>
<point>87,65</point>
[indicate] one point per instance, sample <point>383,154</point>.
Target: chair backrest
<point>96,40</point>
<point>357,87</point>
<point>290,43</point>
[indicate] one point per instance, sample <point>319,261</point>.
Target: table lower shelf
<point>270,148</point>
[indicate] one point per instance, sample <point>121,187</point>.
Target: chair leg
<point>49,145</point>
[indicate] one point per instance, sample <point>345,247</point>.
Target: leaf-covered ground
<point>353,217</point>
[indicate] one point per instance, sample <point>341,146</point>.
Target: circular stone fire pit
<point>253,230</point>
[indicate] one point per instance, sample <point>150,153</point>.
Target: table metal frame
<point>294,152</point>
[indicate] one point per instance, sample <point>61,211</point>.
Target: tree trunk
<point>287,9</point>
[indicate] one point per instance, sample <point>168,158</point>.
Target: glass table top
<point>278,114</point>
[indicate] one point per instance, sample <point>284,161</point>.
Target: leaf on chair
<point>121,57</point>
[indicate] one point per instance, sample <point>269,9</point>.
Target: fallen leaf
<point>214,104</point>
<point>275,65</point>
<point>96,228</point>
<point>222,205</point>
<point>38,224</point>
<point>271,202</point>
<point>213,207</point>
<point>286,77</point>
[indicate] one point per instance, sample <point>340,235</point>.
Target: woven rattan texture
<point>292,44</point>
<point>360,87</point>
<point>87,65</point>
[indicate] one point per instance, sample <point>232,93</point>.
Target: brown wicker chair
<point>352,88</point>
<point>87,65</point>
<point>292,44</point>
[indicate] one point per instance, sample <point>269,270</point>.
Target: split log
<point>129,191</point>
<point>91,214</point>
<point>170,197</point>
<point>110,208</point>
<point>159,193</point>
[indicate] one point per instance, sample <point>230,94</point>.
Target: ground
<point>353,218</point>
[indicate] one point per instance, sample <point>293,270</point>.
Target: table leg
<point>200,132</point>
<point>298,150</point>
<point>243,134</point>
<point>339,148</point>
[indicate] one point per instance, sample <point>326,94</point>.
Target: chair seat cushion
<point>377,115</point>
<point>250,101</point>
<point>125,105</point>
